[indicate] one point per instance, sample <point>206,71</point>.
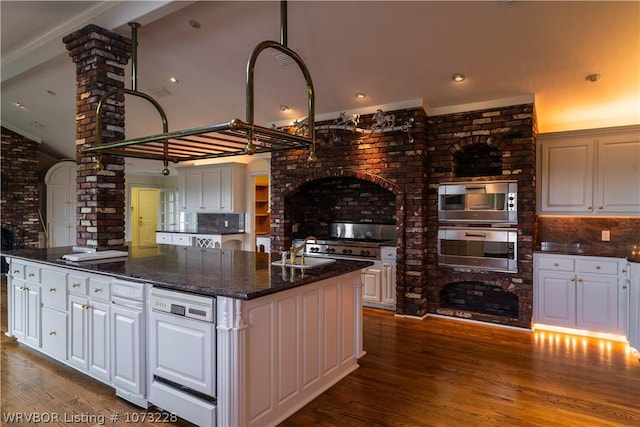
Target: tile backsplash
<point>208,223</point>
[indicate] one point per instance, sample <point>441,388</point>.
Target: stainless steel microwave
<point>478,202</point>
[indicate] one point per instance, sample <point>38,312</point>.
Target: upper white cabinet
<point>590,172</point>
<point>215,188</point>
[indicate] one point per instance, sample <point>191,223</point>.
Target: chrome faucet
<point>295,249</point>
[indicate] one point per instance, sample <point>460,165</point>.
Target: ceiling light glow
<point>174,80</point>
<point>284,107</point>
<point>458,77</point>
<point>361,95</point>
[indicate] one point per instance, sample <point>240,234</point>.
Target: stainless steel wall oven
<point>481,247</point>
<point>489,202</point>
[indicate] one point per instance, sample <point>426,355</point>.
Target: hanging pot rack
<point>232,138</point>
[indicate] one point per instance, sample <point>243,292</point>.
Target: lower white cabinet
<point>581,292</point>
<point>25,312</point>
<point>54,313</point>
<point>180,239</point>
<point>379,281</point>
<point>633,334</point>
<point>89,336</point>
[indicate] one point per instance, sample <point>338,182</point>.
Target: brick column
<point>100,57</point>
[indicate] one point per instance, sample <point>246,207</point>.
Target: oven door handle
<point>483,235</point>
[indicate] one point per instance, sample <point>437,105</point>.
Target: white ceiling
<point>398,53</point>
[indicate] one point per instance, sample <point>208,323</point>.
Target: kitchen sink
<point>305,262</point>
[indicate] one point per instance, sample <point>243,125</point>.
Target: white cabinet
<point>581,292</point>
<point>89,329</point>
<point>590,172</point>
<point>54,313</point>
<point>372,283</point>
<point>24,294</point>
<point>181,239</point>
<point>61,204</point>
<point>127,347</point>
<point>215,188</point>
<point>388,255</point>
<point>379,281</point>
<point>633,334</point>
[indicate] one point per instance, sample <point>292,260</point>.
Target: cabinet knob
<point>52,332</point>
<point>31,274</point>
<point>52,289</point>
<point>86,306</point>
<point>75,285</point>
<point>589,207</point>
<point>600,207</point>
<point>16,271</point>
<point>597,267</point>
<point>573,279</point>
<point>96,290</point>
<point>555,264</point>
<point>580,280</point>
<point>23,288</point>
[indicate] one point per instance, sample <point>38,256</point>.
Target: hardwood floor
<point>434,372</point>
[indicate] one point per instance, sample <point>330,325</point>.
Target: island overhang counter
<point>282,335</point>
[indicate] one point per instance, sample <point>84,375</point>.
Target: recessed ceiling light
<point>194,24</point>
<point>458,77</point>
<point>361,95</point>
<point>50,92</point>
<point>593,77</point>
<point>174,80</point>
<point>284,107</point>
<point>19,105</point>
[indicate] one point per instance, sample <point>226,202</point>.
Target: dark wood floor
<point>434,372</point>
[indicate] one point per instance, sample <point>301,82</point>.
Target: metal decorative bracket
<point>383,123</point>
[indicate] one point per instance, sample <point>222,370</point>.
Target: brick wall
<point>384,176</point>
<point>510,130</point>
<point>20,197</point>
<point>100,57</point>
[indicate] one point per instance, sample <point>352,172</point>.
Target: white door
<point>557,299</point>
<point>597,303</point>
<point>61,204</point>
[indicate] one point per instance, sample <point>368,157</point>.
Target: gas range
<point>347,248</point>
<point>348,240</point>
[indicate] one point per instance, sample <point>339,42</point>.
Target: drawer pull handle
<point>52,332</point>
<point>86,306</point>
<point>16,271</point>
<point>75,285</point>
<point>555,264</point>
<point>23,288</point>
<point>96,290</point>
<point>31,274</point>
<point>597,267</point>
<point>52,289</point>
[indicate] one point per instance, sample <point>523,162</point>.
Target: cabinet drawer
<point>163,238</point>
<point>32,273</point>
<point>54,289</point>
<point>54,333</point>
<point>99,288</point>
<point>78,284</point>
<point>556,263</point>
<point>182,239</point>
<point>17,269</point>
<point>598,266</point>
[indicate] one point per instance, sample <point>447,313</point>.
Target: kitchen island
<point>282,335</point>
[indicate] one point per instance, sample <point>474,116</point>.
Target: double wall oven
<point>478,225</point>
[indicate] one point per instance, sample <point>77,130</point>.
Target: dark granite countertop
<point>216,272</point>
<point>202,231</point>
<point>631,253</point>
